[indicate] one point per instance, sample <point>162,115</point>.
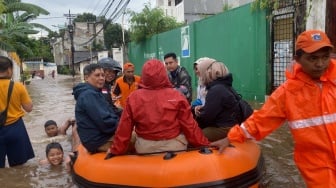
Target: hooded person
<point>221,110</point>
<point>201,90</point>
<point>169,127</point>
<point>95,117</point>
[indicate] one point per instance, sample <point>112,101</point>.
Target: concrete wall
<point>316,18</point>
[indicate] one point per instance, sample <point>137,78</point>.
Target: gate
<point>287,23</point>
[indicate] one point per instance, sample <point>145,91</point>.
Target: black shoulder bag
<point>3,114</point>
<point>245,108</point>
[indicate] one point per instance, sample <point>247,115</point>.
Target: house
<point>85,38</point>
<point>188,11</point>
<point>58,51</point>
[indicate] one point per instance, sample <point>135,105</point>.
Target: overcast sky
<point>57,9</point>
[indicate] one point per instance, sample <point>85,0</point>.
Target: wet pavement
<point>52,99</point>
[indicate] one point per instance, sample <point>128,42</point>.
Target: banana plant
<point>15,23</point>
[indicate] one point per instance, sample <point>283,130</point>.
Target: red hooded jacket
<point>157,111</point>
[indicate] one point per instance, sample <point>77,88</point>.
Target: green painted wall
<point>238,37</point>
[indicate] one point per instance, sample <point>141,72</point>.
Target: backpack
<point>245,108</point>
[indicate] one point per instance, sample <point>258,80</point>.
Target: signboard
<point>185,42</point>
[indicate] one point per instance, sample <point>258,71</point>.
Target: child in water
<point>54,154</point>
<point>52,129</point>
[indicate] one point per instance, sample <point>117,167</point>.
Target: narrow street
<point>53,99</point>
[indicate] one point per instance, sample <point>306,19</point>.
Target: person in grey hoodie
<point>96,119</point>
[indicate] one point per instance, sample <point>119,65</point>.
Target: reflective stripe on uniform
<point>311,122</point>
<point>247,134</point>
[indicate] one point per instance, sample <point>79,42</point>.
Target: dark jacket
<point>180,77</point>
<point>95,118</point>
<point>106,91</point>
<point>221,106</point>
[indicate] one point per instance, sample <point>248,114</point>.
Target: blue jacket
<point>95,117</point>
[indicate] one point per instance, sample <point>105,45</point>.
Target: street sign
<point>185,42</point>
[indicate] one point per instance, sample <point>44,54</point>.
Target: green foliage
<point>272,4</point>
<point>25,76</point>
<point>275,5</point>
<point>265,4</point>
<point>2,6</point>
<point>17,5</point>
<point>64,70</point>
<point>97,45</point>
<point>53,34</point>
<point>85,17</point>
<point>29,48</point>
<point>150,22</point>
<point>226,7</point>
<point>15,24</point>
<point>113,36</point>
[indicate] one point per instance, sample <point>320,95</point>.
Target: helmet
<point>109,63</point>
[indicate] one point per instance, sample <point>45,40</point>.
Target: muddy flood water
<point>52,99</point>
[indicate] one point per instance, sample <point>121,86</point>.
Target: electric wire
<point>119,9</point>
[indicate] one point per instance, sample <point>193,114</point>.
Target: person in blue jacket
<point>96,119</point>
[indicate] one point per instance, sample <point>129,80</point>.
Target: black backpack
<point>245,108</point>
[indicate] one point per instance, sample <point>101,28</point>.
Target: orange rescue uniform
<point>309,107</point>
<point>124,89</point>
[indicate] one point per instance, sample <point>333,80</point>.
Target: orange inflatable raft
<point>240,165</point>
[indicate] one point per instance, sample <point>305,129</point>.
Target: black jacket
<point>181,77</point>
<point>221,106</point>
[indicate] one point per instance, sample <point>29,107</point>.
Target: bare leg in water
<point>75,143</point>
<point>75,138</point>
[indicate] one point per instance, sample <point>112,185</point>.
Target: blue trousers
<point>15,144</point>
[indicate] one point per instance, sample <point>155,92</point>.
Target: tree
<point>113,35</point>
<point>150,22</point>
<point>85,17</point>
<point>15,25</point>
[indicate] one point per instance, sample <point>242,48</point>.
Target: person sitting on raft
<point>96,119</point>
<point>160,114</point>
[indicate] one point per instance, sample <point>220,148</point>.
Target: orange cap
<point>312,40</point>
<point>128,65</point>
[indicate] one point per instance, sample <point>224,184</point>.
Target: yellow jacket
<point>18,97</point>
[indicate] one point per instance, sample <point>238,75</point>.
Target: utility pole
<point>157,38</point>
<point>71,33</point>
<point>123,39</point>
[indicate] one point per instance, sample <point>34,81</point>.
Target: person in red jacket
<point>306,101</point>
<point>160,114</point>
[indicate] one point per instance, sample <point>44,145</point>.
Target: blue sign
<point>185,42</point>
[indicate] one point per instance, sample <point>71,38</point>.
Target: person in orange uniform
<point>307,102</point>
<point>125,84</point>
<point>161,116</point>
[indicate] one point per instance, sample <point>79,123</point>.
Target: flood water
<point>52,99</point>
